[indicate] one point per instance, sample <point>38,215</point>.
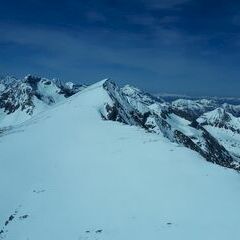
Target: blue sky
<point>175,46</point>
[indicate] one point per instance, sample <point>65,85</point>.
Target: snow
<point>212,116</point>
<point>220,117</point>
<point>225,128</point>
<point>25,97</point>
<point>130,90</point>
<point>234,109</point>
<point>192,104</point>
<point>229,139</point>
<point>182,125</point>
<point>137,99</point>
<point>20,116</point>
<point>49,91</point>
<point>2,87</point>
<point>69,85</point>
<point>71,172</point>
<point>156,108</point>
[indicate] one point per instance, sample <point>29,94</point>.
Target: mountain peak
<point>216,117</point>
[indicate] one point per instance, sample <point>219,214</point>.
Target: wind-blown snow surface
<point>69,175</point>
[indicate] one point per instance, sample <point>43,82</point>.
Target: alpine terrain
<point>104,162</point>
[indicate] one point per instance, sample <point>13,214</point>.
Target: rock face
<point>184,122</point>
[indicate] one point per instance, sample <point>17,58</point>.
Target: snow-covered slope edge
<point>73,176</point>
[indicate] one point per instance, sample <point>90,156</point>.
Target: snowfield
<point>66,174</point>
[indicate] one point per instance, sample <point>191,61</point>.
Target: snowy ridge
<point>177,121</point>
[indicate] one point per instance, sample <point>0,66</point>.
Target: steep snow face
<point>73,176</point>
<point>21,99</point>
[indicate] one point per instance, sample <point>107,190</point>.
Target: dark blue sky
<point>175,46</point>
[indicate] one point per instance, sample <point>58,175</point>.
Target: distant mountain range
<point>172,97</point>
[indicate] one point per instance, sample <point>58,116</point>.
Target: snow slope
<point>66,174</point>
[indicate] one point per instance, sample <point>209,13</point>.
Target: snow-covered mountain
<point>233,109</point>
<point>194,107</point>
<point>199,105</point>
<point>220,118</point>
<point>224,127</point>
<point>21,99</point>
<point>113,163</point>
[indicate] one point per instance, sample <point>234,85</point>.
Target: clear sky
<point>175,46</point>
